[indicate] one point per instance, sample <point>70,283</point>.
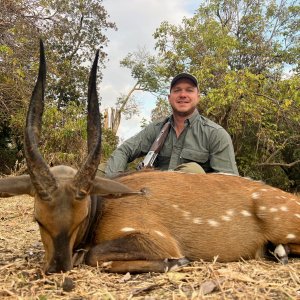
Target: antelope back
<point>206,215</point>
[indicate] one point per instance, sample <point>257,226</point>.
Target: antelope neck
<point>93,217</point>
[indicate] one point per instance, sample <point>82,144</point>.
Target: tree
<point>162,109</point>
<point>144,71</point>
<point>231,35</point>
<point>72,32</point>
<point>240,52</point>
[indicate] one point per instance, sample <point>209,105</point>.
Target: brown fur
<point>177,216</point>
<point>155,221</point>
<point>175,201</point>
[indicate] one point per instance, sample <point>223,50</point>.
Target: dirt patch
<point>22,277</point>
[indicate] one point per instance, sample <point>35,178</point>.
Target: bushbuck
<point>148,220</point>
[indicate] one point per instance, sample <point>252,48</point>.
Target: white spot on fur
<point>159,233</point>
<point>175,206</point>
<point>246,213</point>
<point>226,218</point>
<point>106,264</point>
<point>197,220</point>
<point>283,197</point>
<point>273,209</point>
<point>298,202</point>
<point>127,229</point>
<point>230,212</point>
<point>291,236</point>
<point>263,190</point>
<point>262,208</point>
<point>213,223</point>
<point>277,197</point>
<point>284,208</point>
<point>297,215</point>
<point>255,196</point>
<point>186,214</point>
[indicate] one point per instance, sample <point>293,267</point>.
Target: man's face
<point>184,97</point>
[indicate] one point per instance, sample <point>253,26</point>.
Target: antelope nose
<point>58,267</point>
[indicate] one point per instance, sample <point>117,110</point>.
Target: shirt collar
<point>189,120</point>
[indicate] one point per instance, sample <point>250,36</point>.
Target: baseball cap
<point>184,75</point>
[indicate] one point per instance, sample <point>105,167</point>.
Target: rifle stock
<point>149,159</point>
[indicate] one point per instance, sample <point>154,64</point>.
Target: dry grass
<point>21,275</point>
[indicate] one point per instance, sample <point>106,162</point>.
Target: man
<point>194,143</point>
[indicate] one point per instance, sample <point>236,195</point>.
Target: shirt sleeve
<point>222,157</point>
<point>131,149</point>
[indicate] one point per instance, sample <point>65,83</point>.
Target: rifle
<point>149,159</point>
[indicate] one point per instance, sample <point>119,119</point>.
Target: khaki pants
<point>191,167</point>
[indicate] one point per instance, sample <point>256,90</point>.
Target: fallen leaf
<point>125,278</point>
<point>208,287</point>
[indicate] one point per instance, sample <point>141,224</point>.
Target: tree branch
<point>268,97</point>
<point>279,164</point>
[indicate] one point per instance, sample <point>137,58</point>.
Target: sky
<point>136,21</point>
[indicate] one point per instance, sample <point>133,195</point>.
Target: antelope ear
<point>103,186</point>
<point>15,185</point>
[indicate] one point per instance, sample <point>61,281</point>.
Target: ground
<point>22,277</point>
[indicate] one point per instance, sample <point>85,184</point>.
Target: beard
<point>184,113</point>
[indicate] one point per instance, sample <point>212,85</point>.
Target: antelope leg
<point>144,266</point>
<point>136,254</point>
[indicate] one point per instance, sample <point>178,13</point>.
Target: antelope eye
<point>80,195</point>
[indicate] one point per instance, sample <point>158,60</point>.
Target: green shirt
<point>202,141</point>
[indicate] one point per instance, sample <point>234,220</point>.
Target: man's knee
<point>191,167</point>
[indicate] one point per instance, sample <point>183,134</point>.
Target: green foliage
<point>109,143</point>
<point>64,135</point>
<point>72,31</point>
<point>162,109</point>
<point>262,118</point>
<point>8,158</point>
<point>144,123</point>
<point>63,138</point>
<point>143,68</point>
<point>240,52</point>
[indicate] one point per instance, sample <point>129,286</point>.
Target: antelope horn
<point>39,172</point>
<point>86,174</point>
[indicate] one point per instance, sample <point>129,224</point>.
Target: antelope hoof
<point>78,257</point>
<point>174,263</point>
<point>281,253</point>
